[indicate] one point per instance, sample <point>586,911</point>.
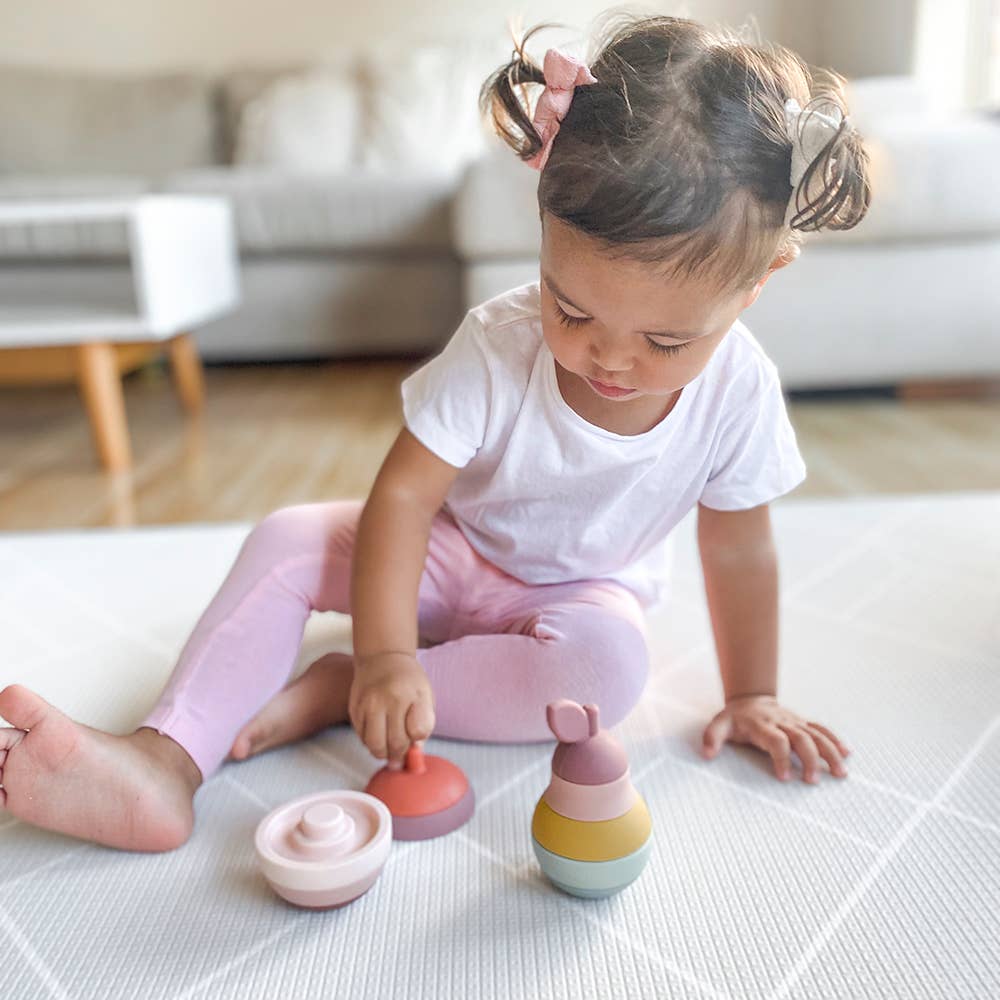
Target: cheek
<point>676,369</point>
<point>562,342</point>
<point>693,362</point>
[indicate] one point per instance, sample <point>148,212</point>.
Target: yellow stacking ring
<point>602,841</point>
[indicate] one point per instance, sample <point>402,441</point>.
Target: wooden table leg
<point>188,375</point>
<point>102,392</point>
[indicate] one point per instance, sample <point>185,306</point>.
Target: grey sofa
<point>333,264</point>
<point>361,263</point>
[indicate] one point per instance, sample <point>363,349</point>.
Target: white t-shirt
<point>549,497</point>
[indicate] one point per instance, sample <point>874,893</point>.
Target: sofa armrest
<point>872,99</point>
<point>495,213</point>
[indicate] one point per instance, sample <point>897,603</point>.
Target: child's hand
<point>391,704</point>
<point>761,722</point>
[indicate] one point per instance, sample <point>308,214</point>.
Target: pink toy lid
<point>326,840</point>
<point>587,754</point>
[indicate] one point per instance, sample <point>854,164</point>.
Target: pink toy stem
<point>594,717</point>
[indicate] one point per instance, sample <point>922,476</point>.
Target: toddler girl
<point>518,524</point>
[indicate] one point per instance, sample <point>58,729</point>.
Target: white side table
<point>185,271</point>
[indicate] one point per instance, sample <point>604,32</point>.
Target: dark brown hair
<point>679,154</point>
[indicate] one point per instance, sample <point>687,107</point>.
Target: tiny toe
<point>10,738</point>
<point>256,743</point>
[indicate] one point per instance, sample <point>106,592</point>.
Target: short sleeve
<point>758,457</point>
<point>446,402</point>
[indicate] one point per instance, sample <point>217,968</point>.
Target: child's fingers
<point>837,742</point>
<point>715,735</point>
<point>397,742</point>
<point>777,744</point>
<point>352,711</point>
<point>829,753</point>
<point>420,720</point>
<point>805,749</point>
<point>373,735</point>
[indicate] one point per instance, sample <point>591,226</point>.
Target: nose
<point>610,356</point>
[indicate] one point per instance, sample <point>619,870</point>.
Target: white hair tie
<point>809,132</point>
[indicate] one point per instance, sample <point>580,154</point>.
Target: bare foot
<point>310,703</point>
<point>132,792</point>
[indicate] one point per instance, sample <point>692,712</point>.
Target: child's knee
<point>609,662</point>
<point>303,527</point>
<point>273,537</point>
<point>621,669</point>
<point>279,522</point>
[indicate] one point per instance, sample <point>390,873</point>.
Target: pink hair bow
<point>563,74</point>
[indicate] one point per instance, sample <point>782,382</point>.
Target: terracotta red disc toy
<point>428,796</point>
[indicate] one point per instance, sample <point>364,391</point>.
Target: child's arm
<point>740,566</point>
<point>391,703</point>
<point>741,583</point>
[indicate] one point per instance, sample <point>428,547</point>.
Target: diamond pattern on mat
<point>747,877</point>
<point>928,928</point>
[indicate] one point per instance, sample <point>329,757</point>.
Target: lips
<point>606,389</point>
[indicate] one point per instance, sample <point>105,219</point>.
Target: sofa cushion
<point>932,180</point>
<point>107,239</point>
<point>274,211</point>
<point>872,99</point>
<point>240,87</point>
<point>73,123</point>
<point>422,104</point>
<point>495,215</point>
<point>283,211</point>
<point>308,121</point>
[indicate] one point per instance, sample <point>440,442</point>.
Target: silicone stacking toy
<point>591,830</point>
<point>428,796</point>
<point>324,850</point>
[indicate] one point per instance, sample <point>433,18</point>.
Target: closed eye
<point>565,318</point>
<point>667,348</point>
<point>574,321</point>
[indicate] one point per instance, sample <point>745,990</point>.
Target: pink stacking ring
<point>591,803</point>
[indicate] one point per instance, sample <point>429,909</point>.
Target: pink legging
<point>505,648</point>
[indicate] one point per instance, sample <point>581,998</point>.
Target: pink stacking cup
<point>324,850</point>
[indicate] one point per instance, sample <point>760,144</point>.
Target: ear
<point>776,265</point>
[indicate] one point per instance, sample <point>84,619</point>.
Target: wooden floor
<point>283,434</point>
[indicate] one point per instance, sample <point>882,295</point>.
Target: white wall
<point>866,38</point>
<point>856,37</point>
<point>135,35</point>
<point>953,51</point>
<point>945,43</point>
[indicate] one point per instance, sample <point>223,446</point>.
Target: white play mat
<point>886,884</point>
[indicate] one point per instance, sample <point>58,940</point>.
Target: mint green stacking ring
<point>592,879</point>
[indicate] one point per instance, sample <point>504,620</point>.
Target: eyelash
<point>573,321</point>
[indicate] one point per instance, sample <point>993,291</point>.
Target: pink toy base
<point>330,900</point>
